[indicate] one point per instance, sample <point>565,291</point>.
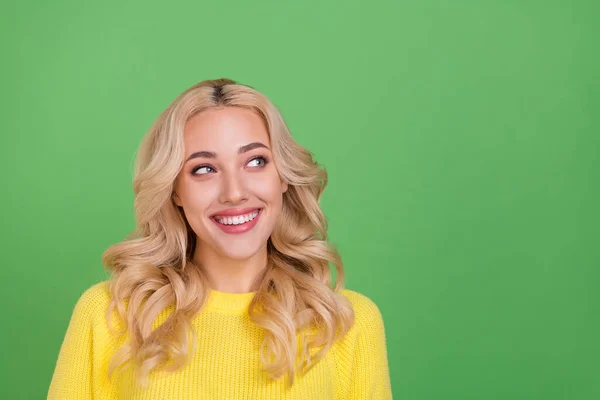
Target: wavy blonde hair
<point>153,270</point>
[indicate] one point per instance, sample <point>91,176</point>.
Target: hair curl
<point>153,269</point>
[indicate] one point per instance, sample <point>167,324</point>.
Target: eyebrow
<point>243,149</point>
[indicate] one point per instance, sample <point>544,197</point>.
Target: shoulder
<point>93,301</point>
<point>97,294</point>
<point>366,312</point>
<point>361,354</point>
<point>368,329</point>
<point>358,299</point>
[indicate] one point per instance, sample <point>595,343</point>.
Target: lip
<point>235,211</point>
<point>241,228</point>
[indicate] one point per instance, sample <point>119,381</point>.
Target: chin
<point>239,251</point>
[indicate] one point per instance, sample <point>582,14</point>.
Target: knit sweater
<point>226,363</point>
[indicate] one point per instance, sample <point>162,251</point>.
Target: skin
<point>206,186</point>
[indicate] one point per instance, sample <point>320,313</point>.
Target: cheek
<point>195,201</point>
<point>268,188</point>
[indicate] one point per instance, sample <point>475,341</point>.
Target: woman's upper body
<point>226,363</point>
<point>226,280</point>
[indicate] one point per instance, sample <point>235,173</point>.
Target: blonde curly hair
<point>153,269</point>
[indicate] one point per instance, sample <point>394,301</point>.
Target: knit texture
<point>226,363</point>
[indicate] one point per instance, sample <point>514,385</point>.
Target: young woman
<point>224,290</point>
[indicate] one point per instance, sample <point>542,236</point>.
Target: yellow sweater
<point>226,363</point>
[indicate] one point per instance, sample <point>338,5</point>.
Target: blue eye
<point>201,167</point>
<point>262,159</point>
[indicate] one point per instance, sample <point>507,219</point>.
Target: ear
<point>176,199</point>
<point>284,186</point>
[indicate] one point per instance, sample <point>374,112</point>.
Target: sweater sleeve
<point>73,374</point>
<point>369,366</point>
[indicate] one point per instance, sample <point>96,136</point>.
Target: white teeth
<point>237,220</point>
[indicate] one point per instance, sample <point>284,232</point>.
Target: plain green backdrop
<point>461,140</point>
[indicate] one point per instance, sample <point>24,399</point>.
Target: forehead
<point>224,130</point>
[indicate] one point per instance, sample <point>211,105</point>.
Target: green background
<point>462,144</point>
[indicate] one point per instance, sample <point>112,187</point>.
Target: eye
<point>204,168</point>
<point>256,161</point>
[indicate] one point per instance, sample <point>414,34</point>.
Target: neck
<point>231,275</point>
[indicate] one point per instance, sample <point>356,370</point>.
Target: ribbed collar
<point>229,301</point>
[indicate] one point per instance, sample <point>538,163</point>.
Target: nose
<point>233,190</point>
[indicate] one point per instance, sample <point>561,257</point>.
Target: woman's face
<point>229,189</point>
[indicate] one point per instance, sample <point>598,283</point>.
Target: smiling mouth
<point>238,219</point>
